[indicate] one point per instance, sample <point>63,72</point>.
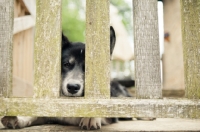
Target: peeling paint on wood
<point>6,38</point>
<point>165,108</point>
<point>147,55</point>
<point>97,71</point>
<point>190,16</point>
<point>47,49</point>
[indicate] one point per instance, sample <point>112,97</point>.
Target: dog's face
<point>73,65</point>
<point>73,68</point>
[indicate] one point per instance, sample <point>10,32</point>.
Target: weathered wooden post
<point>97,50</point>
<point>6,37</point>
<point>190,20</point>
<point>147,55</point>
<point>47,49</point>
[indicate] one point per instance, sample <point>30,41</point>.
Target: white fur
<point>85,123</point>
<point>70,79</point>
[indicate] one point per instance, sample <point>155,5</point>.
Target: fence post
<point>97,79</point>
<point>6,38</point>
<point>146,45</point>
<point>47,49</point>
<point>190,20</point>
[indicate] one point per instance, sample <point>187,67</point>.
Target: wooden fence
<point>97,101</point>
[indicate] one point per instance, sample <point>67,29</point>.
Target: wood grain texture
<point>97,71</point>
<point>47,49</point>
<point>166,108</point>
<point>190,16</point>
<point>146,46</point>
<point>6,35</point>
<point>23,43</point>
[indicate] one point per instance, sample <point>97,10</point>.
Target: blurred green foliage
<point>73,17</point>
<point>73,20</point>
<point>125,12</point>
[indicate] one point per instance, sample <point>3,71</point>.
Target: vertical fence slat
<point>190,13</point>
<point>97,81</point>
<point>146,43</point>
<point>6,35</point>
<point>47,50</point>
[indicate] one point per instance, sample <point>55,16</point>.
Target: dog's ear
<point>112,39</point>
<point>65,41</point>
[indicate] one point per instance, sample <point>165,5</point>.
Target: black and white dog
<point>72,70</point>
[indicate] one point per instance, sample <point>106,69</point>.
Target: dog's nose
<point>73,88</point>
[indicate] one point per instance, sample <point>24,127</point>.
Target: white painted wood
<point>31,6</point>
<point>23,23</point>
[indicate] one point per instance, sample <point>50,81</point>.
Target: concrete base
<point>161,124</point>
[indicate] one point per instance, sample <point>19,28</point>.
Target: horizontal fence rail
<point>166,108</point>
<point>97,102</point>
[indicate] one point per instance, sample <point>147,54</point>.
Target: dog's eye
<point>67,64</point>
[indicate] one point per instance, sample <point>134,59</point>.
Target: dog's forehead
<point>74,53</point>
<point>71,59</point>
<point>77,53</point>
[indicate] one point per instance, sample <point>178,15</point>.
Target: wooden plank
<point>21,88</point>
<point>97,69</point>
<point>166,108</point>
<point>31,6</point>
<point>19,9</point>
<point>146,45</point>
<point>23,43</point>
<point>6,35</point>
<point>47,49</point>
<point>23,23</point>
<point>190,16</point>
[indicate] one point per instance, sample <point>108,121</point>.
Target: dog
<point>72,72</point>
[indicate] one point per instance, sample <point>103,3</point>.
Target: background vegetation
<point>124,11</point>
<point>73,20</point>
<point>73,17</point>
